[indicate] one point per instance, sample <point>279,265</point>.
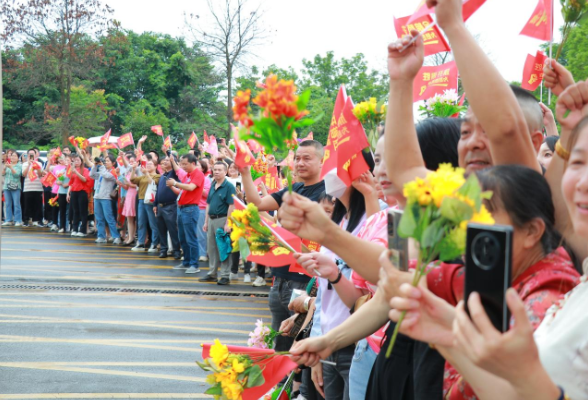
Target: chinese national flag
<point>533,72</point>
<point>274,368</point>
<point>348,142</point>
<point>73,141</point>
<point>193,140</point>
<point>540,25</point>
<point>330,159</point>
<point>167,142</point>
<point>125,140</point>
<point>120,160</point>
<point>206,139</point>
<point>468,8</point>
<point>243,155</point>
<point>105,138</point>
<point>271,180</point>
<point>434,80</point>
<point>68,171</point>
<point>49,180</point>
<point>157,129</point>
<point>277,256</point>
<point>434,41</point>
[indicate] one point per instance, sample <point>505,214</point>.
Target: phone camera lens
<point>485,251</point>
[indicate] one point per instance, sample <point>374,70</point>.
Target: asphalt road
<point>86,321</point>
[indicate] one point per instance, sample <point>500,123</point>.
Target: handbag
<point>114,193</point>
<point>12,186</point>
<point>150,193</point>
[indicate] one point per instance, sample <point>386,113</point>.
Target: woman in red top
<point>77,196</point>
<point>541,271</point>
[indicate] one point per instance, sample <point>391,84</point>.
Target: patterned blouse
<point>540,286</point>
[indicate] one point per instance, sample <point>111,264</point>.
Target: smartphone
<point>238,185</point>
<point>143,164</point>
<point>397,245</point>
<point>488,266</point>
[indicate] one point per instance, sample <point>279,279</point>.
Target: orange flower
<point>278,98</point>
<point>241,107</point>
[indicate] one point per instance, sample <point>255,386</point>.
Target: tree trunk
<point>229,100</point>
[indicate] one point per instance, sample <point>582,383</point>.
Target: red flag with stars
<point>533,71</point>
<point>125,140</point>
<point>167,142</point>
<point>68,171</point>
<point>432,80</point>
<point>540,25</point>
<point>157,129</point>
<point>49,180</point>
<point>433,39</point>
<point>193,140</point>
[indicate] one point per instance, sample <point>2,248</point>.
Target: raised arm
<point>404,160</point>
<point>266,203</point>
<point>491,99</point>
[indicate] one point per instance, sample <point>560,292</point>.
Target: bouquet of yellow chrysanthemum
<point>282,112</point>
<point>54,201</point>
<point>251,234</point>
<point>438,209</point>
<point>371,114</point>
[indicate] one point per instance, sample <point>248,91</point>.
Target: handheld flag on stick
<point>158,130</point>
<point>49,180</point>
<point>167,142</point>
<point>540,25</point>
<point>433,39</point>
<point>125,140</point>
<point>193,140</point>
<point>243,156</point>
<point>212,147</point>
<point>330,159</point>
<point>432,80</point>
<point>105,138</point>
<point>533,72</point>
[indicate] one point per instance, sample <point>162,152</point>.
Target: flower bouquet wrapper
<point>274,368</point>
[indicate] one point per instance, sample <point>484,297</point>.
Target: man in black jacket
<point>166,210</point>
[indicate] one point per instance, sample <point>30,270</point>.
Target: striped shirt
<point>35,186</point>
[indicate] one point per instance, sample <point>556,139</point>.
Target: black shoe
<point>207,278</point>
<point>223,281</point>
<point>163,254</point>
<point>177,255</point>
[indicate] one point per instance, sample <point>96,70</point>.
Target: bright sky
<point>304,28</point>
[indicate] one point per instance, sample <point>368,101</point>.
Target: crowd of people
<point>353,296</point>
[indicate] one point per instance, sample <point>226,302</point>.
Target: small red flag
<point>49,180</point>
<point>105,138</point>
<point>533,71</point>
<point>125,140</point>
<point>434,80</point>
<point>57,153</point>
<point>271,180</point>
<point>167,142</point>
<point>274,368</point>
<point>310,245</point>
<point>157,129</point>
<point>73,141</point>
<point>243,155</point>
<point>254,146</point>
<point>468,8</point>
<point>206,139</point>
<point>68,171</point>
<point>120,160</point>
<point>434,40</point>
<point>330,159</point>
<point>540,25</point>
<point>193,140</point>
<point>212,148</point>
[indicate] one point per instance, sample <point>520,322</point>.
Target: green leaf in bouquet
<point>304,122</point>
<point>255,377</point>
<point>452,246</point>
<point>487,195</point>
<point>215,390</point>
<point>303,99</point>
<point>244,248</point>
<point>408,223</point>
<point>471,189</point>
<point>204,366</point>
<point>456,210</point>
<point>433,233</point>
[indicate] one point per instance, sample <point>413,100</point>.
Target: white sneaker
<point>100,240</point>
<point>233,277</point>
<point>116,241</point>
<point>36,224</point>
<point>74,233</point>
<point>60,231</point>
<point>18,224</point>
<point>192,270</point>
<point>53,228</point>
<point>247,278</point>
<point>203,258</point>
<point>181,266</point>
<point>259,281</point>
<point>110,239</point>
<point>7,223</point>
<point>152,249</point>
<point>138,247</point>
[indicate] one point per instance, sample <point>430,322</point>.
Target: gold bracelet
<point>561,152</point>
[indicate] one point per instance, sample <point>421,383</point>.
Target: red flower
<point>278,99</point>
<point>241,108</point>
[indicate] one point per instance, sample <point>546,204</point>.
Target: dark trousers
<point>33,206</point>
<point>336,377</point>
<point>167,222</point>
<point>48,210</point>
<point>279,298</point>
<point>54,212</point>
<point>79,203</point>
<point>235,263</point>
<point>62,211</point>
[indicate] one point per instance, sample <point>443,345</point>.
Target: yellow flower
<point>226,377</point>
<point>219,353</point>
<point>483,217</point>
<point>445,182</point>
<point>233,391</point>
<point>418,191</point>
<point>237,366</point>
<point>211,379</point>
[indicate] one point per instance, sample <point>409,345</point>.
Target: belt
<point>166,204</point>
<point>215,216</point>
<point>187,205</point>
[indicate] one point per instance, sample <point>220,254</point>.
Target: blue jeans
<point>202,240</point>
<point>103,216</point>
<point>146,216</point>
<point>188,218</point>
<point>361,368</point>
<point>12,198</point>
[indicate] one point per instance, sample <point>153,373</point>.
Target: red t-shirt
<point>76,183</point>
<point>539,286</point>
<point>193,197</point>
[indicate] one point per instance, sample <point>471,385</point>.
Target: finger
<point>575,94</point>
<point>518,311</point>
<point>480,318</point>
<point>403,304</point>
<point>463,326</point>
<point>409,291</point>
<point>583,89</point>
